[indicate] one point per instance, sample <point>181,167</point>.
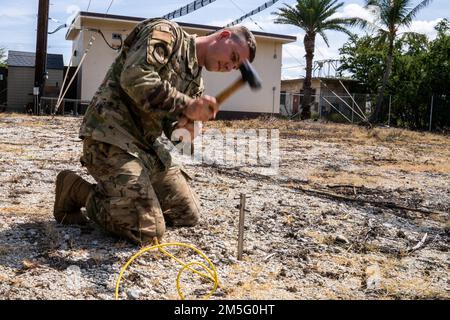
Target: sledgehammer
<point>249,75</point>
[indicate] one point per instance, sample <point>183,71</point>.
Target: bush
<point>336,117</point>
<point>315,115</point>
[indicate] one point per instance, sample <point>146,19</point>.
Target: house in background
<point>243,103</point>
<point>3,87</point>
<point>21,78</point>
<point>322,90</point>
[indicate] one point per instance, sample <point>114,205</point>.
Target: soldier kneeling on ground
<point>153,86</point>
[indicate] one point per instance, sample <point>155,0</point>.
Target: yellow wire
<point>211,271</point>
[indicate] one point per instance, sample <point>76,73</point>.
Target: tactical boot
<point>70,196</point>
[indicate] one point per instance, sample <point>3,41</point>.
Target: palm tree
<point>314,17</point>
<point>392,15</point>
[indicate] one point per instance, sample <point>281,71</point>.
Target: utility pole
<point>40,69</point>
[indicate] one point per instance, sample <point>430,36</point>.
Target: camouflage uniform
<point>145,90</point>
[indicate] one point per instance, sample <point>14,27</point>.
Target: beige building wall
<point>100,57</point>
<point>21,83</point>
<point>296,85</point>
<point>267,100</point>
<point>20,88</point>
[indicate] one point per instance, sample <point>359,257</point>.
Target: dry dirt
<point>331,224</point>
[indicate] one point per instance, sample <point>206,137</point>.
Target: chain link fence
<point>433,115</point>
<point>353,108</point>
<point>346,108</point>
<point>439,113</point>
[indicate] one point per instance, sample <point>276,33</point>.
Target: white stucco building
<point>100,56</point>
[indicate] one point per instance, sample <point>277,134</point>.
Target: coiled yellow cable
<point>212,273</point>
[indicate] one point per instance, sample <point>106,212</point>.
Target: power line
<point>112,1</point>
<point>89,5</point>
<point>251,13</point>
<point>257,10</point>
<point>191,7</point>
<point>106,41</point>
<point>294,67</point>
<point>86,51</point>
<point>58,28</point>
<point>233,23</point>
<point>294,57</point>
<point>287,51</point>
<point>236,5</point>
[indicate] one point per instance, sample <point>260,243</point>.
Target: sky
<point>18,20</point>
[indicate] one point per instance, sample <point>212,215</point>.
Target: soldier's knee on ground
<point>185,213</point>
<point>179,203</point>
<point>123,202</point>
<point>138,220</point>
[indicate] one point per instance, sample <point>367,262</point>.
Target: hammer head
<point>250,75</point>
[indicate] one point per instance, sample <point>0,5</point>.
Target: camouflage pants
<point>134,198</point>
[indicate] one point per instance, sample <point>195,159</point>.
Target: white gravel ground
<point>297,245</point>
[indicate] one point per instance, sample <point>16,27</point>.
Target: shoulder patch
<point>162,35</point>
<point>161,42</point>
<point>164,27</point>
<point>160,53</point>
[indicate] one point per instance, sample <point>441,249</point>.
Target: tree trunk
<point>377,115</point>
<point>309,42</point>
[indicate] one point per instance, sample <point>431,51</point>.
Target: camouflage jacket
<point>145,89</point>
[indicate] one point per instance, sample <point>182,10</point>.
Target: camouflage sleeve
<point>139,77</point>
<point>199,91</point>
<point>169,121</point>
<point>168,125</point>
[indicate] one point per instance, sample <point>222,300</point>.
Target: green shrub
<point>336,117</point>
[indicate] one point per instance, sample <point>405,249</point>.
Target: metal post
<point>353,107</point>
<point>320,105</point>
<point>431,110</point>
<point>389,116</point>
<point>241,227</point>
<point>273,100</point>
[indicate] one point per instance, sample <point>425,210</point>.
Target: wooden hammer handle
<point>221,97</point>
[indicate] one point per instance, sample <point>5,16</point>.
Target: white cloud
<point>10,17</point>
<point>15,16</point>
<point>15,12</point>
<point>423,27</point>
<point>420,26</point>
<point>354,10</point>
<point>262,23</point>
<point>72,11</point>
<point>18,18</point>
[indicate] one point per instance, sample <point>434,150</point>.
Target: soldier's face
<point>226,53</point>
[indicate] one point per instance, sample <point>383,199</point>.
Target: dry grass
<point>314,153</point>
<point>439,167</point>
<point>15,209</point>
<point>344,178</point>
<point>413,288</point>
<point>249,287</point>
<point>334,132</point>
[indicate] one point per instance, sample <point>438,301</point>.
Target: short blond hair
<point>242,33</point>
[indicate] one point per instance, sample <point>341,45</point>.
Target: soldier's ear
<point>225,34</point>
